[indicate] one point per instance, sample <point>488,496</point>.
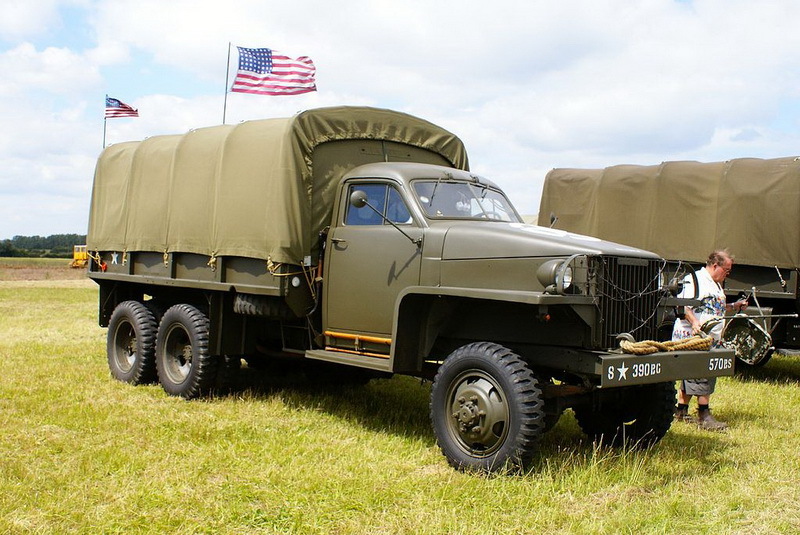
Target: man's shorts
<point>699,387</point>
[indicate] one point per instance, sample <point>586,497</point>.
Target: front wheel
<point>486,408</point>
<point>636,416</point>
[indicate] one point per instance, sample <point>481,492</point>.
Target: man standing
<point>712,305</point>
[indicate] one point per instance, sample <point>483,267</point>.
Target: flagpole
<point>105,120</point>
<point>227,71</point>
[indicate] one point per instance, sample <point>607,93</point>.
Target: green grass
<point>82,453</point>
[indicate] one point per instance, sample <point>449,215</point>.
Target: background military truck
<point>357,239</point>
<point>683,210</point>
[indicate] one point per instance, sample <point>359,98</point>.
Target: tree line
<point>54,246</point>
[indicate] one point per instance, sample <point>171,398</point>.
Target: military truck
<point>354,242</point>
<point>683,210</point>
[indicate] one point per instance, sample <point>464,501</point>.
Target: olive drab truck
<point>683,210</point>
<point>355,243</point>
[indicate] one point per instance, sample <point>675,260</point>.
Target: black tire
<point>259,305</point>
<point>185,367</point>
<point>552,413</point>
<point>131,343</point>
<point>635,416</point>
<point>486,409</point>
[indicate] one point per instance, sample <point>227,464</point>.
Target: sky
<point>528,85</point>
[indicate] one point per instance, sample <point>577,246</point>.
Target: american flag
<point>266,72</point>
<point>117,108</point>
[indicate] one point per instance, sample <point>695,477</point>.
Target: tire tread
<point>203,374</point>
<point>526,392</point>
<point>145,327</point>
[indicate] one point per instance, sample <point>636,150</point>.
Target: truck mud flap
<point>627,369</point>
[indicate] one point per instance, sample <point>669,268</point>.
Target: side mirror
<point>358,198</point>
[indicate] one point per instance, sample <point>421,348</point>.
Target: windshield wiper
<point>447,176</point>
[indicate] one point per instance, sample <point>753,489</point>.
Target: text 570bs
<point>715,364</point>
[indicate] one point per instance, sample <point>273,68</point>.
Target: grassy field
<point>28,269</point>
<point>82,453</point>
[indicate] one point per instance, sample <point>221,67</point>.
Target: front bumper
<point>625,369</point>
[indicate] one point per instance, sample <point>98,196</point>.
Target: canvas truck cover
<point>683,210</point>
<point>261,189</point>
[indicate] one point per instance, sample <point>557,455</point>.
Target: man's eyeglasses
<point>726,270</point>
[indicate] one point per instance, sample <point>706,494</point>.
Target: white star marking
<point>623,372</point>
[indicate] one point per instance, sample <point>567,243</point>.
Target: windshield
<point>463,200</point>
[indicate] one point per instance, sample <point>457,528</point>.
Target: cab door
<point>368,263</point>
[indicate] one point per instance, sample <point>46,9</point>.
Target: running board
<point>381,363</point>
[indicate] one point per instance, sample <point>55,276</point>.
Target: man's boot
<point>706,421</point>
<point>682,414</point>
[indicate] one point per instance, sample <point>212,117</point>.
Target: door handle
<point>338,240</point>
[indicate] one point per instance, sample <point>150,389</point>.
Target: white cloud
<point>20,19</point>
<point>53,70</point>
<point>110,53</point>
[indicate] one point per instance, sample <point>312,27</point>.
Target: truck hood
<point>474,240</point>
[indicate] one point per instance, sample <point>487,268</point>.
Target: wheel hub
<point>178,354</point>
<point>125,347</point>
<point>186,354</point>
<point>479,414</point>
<point>469,415</point>
<point>130,350</point>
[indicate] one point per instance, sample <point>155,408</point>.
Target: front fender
<point>420,311</point>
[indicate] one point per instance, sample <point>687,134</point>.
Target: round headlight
<point>557,275</point>
<point>565,274</point>
<point>548,272</point>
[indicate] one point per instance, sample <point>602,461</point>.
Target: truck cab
<point>386,235</point>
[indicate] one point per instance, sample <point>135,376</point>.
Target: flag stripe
<point>292,77</point>
<point>268,84</point>
<point>265,72</point>
<point>287,91</point>
<point>117,108</point>
<point>115,113</point>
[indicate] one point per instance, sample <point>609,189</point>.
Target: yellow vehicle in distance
<point>79,257</point>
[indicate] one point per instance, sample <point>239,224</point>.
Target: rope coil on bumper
<point>645,347</point>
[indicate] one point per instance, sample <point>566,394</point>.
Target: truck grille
<point>628,296</point>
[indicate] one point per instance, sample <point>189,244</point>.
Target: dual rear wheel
<point>131,343</point>
<point>174,350</point>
